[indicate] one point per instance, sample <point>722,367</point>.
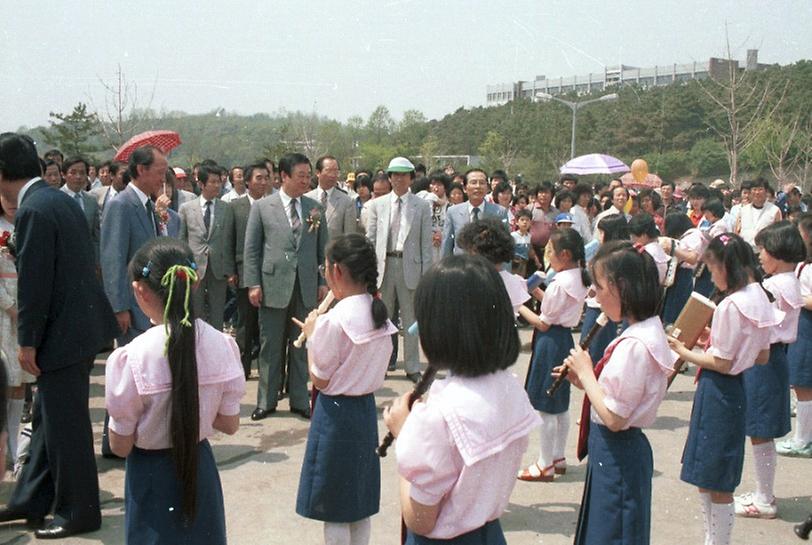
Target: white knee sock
<point>803,423</point>
<point>721,523</point>
<point>336,533</point>
<point>359,532</point>
<point>765,459</point>
<point>705,505</point>
<point>549,428</point>
<point>14,408</point>
<point>562,430</point>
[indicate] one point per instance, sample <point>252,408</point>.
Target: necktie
<point>151,216</point>
<point>295,221</point>
<point>79,201</point>
<point>475,211</point>
<point>394,228</point>
<point>324,199</point>
<point>583,433</point>
<point>207,216</point>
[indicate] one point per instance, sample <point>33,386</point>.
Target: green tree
<point>708,158</point>
<point>73,133</point>
<point>380,124</point>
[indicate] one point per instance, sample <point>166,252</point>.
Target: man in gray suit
<point>202,227</point>
<point>129,222</point>
<point>340,208</point>
<point>74,170</point>
<point>399,227</point>
<point>460,215</point>
<point>284,246</point>
<point>257,178</point>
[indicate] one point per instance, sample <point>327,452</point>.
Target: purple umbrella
<point>594,163</point>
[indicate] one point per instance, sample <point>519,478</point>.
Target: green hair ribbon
<point>173,273</point>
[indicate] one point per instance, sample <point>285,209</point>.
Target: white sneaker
<point>747,506</point>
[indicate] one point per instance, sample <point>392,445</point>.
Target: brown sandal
<point>560,466</point>
<point>535,474</point>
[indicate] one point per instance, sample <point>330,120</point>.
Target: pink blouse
<point>786,289</point>
<point>463,446</point>
<point>718,228</point>
<point>742,327</point>
<point>635,377</point>
<point>564,299</point>
<point>804,274</point>
<point>695,241</point>
<point>138,385</point>
<point>347,350</point>
<point>661,258</point>
<point>516,287</point>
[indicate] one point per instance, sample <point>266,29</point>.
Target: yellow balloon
<point>639,170</point>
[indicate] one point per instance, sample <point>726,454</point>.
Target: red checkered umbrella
<point>163,140</point>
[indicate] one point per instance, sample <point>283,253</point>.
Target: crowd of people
<point>158,262</point>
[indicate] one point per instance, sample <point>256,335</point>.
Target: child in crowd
<point>167,391</point>
<point>613,227</point>
<point>348,351</point>
<point>523,253</point>
<point>739,338</point>
<point>454,490</point>
<point>622,395</point>
<point>643,231</point>
<point>766,387</point>
<point>561,308</point>
<point>489,238</point>
<point>687,243</point>
<point>799,355</point>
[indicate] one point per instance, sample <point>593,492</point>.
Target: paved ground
<point>259,467</point>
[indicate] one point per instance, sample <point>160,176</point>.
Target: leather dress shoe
<point>259,414</point>
<point>304,413</point>
<point>57,531</point>
<point>7,515</point>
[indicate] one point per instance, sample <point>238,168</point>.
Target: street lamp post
<point>574,106</point>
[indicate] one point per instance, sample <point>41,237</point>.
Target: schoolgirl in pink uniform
<point>643,231</point>
<point>799,355</point>
<point>687,243</point>
<point>458,451</point>
<point>766,387</point>
<point>348,351</point>
<point>167,391</point>
<point>622,395</point>
<point>740,337</point>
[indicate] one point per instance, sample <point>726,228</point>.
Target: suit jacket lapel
<point>407,214</point>
<point>140,210</point>
<point>282,217</point>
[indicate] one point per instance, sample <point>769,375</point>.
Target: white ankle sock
<point>359,532</point>
<point>705,505</point>
<point>803,423</point>
<point>562,430</point>
<point>721,523</point>
<point>336,533</point>
<point>549,427</point>
<point>14,408</point>
<point>765,459</point>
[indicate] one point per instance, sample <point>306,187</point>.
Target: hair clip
<point>725,239</point>
<point>146,270</point>
<point>192,264</point>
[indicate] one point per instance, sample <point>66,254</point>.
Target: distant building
<point>615,76</point>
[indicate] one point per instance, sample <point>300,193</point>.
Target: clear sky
<point>345,57</point>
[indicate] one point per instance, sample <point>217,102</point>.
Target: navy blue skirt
<point>714,451</point>
<point>616,505</point>
<point>677,295</point>
<point>341,474</point>
<point>766,388</point>
<point>152,500</point>
<point>603,338</point>
<point>550,349</point>
<point>489,534</point>
<point>799,353</point>
<point>704,285</point>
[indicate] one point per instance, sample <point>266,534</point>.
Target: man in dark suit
<point>74,170</point>
<point>460,215</point>
<point>257,179</point>
<point>64,319</point>
<point>284,246</point>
